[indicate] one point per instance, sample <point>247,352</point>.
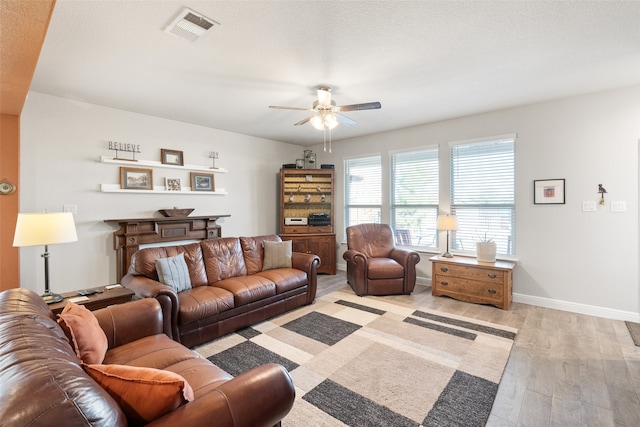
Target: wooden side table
<point>106,298</point>
<point>466,279</point>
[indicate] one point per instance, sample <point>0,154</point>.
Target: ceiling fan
<point>326,115</point>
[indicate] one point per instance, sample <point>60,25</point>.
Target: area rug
<point>634,331</point>
<point>369,361</point>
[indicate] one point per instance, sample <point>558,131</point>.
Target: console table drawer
<point>476,289</point>
<point>486,275</point>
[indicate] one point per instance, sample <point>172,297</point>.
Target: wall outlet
<point>70,208</point>
<point>618,206</point>
<point>589,206</point>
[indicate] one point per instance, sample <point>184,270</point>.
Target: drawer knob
<point>444,283</point>
<point>491,291</point>
<point>493,276</point>
<point>444,269</point>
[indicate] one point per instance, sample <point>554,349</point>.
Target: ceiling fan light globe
<point>317,122</point>
<point>331,121</point>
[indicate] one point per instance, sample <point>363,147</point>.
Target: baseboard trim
<point>575,307</point>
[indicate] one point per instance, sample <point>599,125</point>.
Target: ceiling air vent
<point>190,25</point>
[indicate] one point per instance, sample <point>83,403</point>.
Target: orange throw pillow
<point>82,327</point>
<point>144,394</point>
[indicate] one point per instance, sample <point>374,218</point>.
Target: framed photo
<point>172,184</point>
<point>172,157</point>
<point>202,182</point>
<point>136,178</point>
<point>548,192</point>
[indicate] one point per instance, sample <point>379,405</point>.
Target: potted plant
<point>486,249</point>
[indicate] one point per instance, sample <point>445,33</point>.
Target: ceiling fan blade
<point>290,108</point>
<point>356,107</point>
<point>303,121</point>
<point>345,120</point>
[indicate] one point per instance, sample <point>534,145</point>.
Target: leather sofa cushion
<point>203,302</point>
<point>87,337</point>
<point>285,279</point>
<point>133,386</point>
<point>385,268</point>
<point>223,258</point>
<point>143,262</point>
<point>253,250</point>
<point>373,240</point>
<point>247,289</point>
<point>161,352</point>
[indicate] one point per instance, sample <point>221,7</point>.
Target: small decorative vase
<point>486,251</point>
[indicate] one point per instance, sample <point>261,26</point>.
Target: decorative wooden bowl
<point>176,212</point>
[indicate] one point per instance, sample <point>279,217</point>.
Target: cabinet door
<point>299,245</point>
<point>325,248</point>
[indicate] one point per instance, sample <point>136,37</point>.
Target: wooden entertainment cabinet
<point>307,193</point>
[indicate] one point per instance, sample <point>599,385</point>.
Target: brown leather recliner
<point>374,265</point>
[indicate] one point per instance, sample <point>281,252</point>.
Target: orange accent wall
<point>23,27</point>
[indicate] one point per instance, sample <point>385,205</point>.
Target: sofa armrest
<point>124,323</point>
<point>405,257</point>
<point>145,287</point>
<point>308,263</point>
<point>260,397</point>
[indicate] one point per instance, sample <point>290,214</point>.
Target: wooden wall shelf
<point>115,188</point>
<point>158,164</point>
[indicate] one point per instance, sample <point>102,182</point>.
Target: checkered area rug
<point>366,361</point>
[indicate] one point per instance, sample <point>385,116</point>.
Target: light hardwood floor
<point>565,369</point>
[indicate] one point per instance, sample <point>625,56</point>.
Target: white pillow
<point>173,271</point>
<point>276,254</point>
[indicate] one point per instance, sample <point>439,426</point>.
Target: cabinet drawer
<point>295,229</point>
<point>320,229</point>
<point>473,288</point>
<point>474,273</point>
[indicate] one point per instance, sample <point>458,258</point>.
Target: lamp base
<point>447,255</point>
<point>51,298</point>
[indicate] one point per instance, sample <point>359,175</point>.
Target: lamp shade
<point>447,222</point>
<point>44,228</point>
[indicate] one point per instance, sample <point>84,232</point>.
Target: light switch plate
<point>618,206</point>
<point>589,206</point>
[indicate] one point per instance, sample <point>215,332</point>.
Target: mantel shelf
<point>158,164</point>
<point>115,188</point>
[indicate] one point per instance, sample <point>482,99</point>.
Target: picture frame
<point>549,192</point>
<point>136,178</point>
<point>202,182</point>
<point>172,157</point>
<point>172,184</point>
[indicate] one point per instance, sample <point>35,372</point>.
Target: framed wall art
<point>202,182</point>
<point>172,157</point>
<point>173,184</point>
<point>548,192</point>
<point>136,178</point>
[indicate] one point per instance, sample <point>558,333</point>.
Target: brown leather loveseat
<point>231,288</point>
<point>42,382</point>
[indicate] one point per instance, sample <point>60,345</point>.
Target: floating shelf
<point>158,164</point>
<point>115,188</point>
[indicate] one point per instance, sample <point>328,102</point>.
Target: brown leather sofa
<point>229,289</point>
<point>43,384</point>
<point>374,265</point>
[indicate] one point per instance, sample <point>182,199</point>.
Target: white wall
<point>583,262</point>
<point>61,144</point>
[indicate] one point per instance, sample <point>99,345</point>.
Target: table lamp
<point>44,228</point>
<point>447,223</point>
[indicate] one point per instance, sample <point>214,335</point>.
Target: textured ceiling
<point>425,61</point>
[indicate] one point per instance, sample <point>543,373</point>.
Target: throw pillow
<point>144,394</point>
<point>173,271</point>
<point>276,254</point>
<point>87,337</point>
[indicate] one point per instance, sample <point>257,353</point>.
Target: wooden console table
<point>100,300</point>
<point>139,231</point>
<point>466,279</point>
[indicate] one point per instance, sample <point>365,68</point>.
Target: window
<point>363,190</point>
<point>414,197</point>
<point>483,193</point>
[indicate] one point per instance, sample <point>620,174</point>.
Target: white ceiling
<point>425,61</point>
